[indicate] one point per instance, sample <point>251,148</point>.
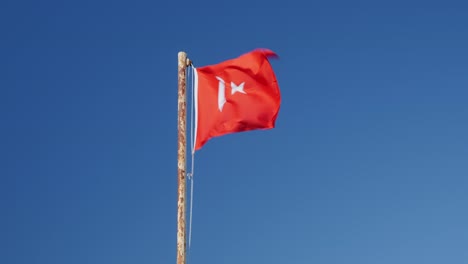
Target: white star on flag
<point>237,88</point>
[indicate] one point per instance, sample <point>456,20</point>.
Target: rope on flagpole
<point>192,169</point>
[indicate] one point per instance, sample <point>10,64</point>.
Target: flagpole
<point>181,156</point>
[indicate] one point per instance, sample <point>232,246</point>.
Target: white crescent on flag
<point>222,91</point>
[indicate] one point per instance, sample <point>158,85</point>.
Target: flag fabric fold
<point>236,95</point>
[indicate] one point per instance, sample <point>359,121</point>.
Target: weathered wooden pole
<point>181,157</point>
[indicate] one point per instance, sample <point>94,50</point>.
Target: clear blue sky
<point>368,162</point>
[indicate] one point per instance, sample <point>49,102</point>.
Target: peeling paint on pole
<point>181,157</point>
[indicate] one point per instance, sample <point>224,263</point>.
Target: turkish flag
<point>236,95</point>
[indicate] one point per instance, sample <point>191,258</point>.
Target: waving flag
<point>236,95</point>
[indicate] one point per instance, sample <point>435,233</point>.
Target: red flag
<point>236,95</point>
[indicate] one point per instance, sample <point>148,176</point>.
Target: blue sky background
<point>368,162</point>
